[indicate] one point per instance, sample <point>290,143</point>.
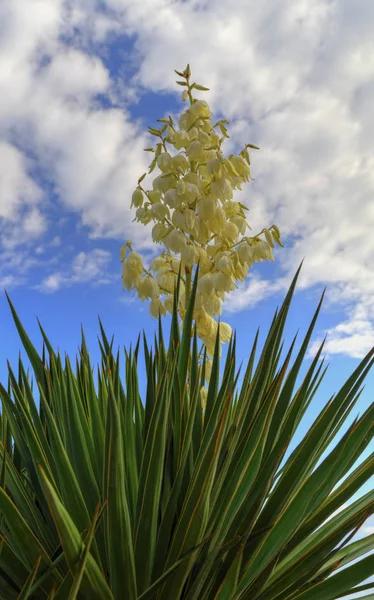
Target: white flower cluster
<point>195,218</point>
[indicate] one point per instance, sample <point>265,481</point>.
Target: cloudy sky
<point>80,82</point>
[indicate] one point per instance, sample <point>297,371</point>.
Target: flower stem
<point>187,286</point>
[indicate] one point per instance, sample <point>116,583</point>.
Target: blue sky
<point>81,83</point>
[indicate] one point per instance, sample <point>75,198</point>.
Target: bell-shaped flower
<point>194,150</point>
<point>137,198</point>
<point>158,232</point>
<point>164,183</point>
<point>262,251</point>
<point>172,199</point>
<point>230,232</point>
<point>225,332</point>
<point>246,253</point>
<point>200,109</point>
<point>156,308</point>
<point>175,241</point>
<point>157,263</point>
<point>166,280</point>
<point>189,218</point>
<point>148,288</point>
<point>206,207</point>
<point>164,162</point>
<point>180,161</point>
<point>144,215</point>
<point>180,140</point>
<point>154,196</point>
<point>159,211</point>
<point>241,166</point>
<point>190,255</point>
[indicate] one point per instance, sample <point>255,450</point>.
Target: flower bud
<point>185,95</point>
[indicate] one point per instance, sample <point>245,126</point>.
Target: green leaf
<point>94,586</point>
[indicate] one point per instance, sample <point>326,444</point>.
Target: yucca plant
<point>105,495</point>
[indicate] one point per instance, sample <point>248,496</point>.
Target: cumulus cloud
<point>294,78</point>
<point>85,267</point>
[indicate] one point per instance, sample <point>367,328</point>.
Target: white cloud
<point>85,267</point>
<point>294,78</point>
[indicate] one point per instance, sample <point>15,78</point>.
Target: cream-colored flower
<point>159,211</point>
<point>194,150</point>
<point>175,241</point>
<point>245,253</point>
<point>225,332</point>
<point>137,198</point>
<point>164,162</point>
<point>180,161</point>
<point>214,166</point>
<point>241,166</point>
<point>230,232</point>
<point>206,285</point>
<point>262,251</point>
<point>190,255</point>
<point>154,196</point>
<point>172,198</point>
<point>156,308</point>
<point>166,279</point>
<point>178,219</point>
<point>189,218</point>
<point>200,109</point>
<point>148,288</point>
<point>158,232</point>
<point>168,303</point>
<point>144,215</point>
<point>181,139</point>
<point>157,263</point>
<point>164,183</point>
<point>207,207</point>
